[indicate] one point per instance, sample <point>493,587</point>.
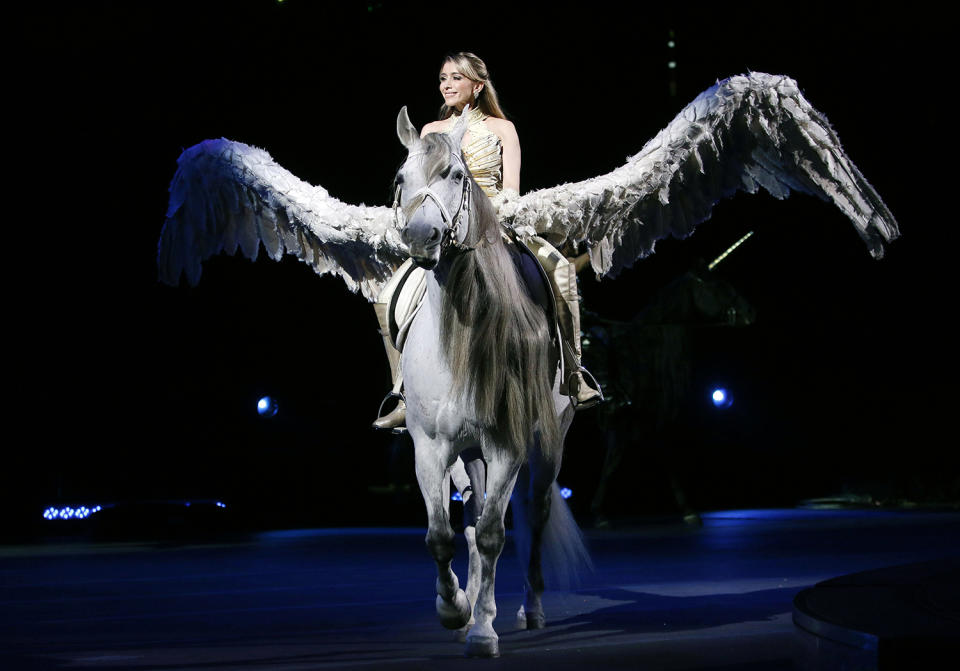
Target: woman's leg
<point>563,278</point>
<point>403,293</point>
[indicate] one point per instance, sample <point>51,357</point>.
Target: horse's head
<point>433,191</point>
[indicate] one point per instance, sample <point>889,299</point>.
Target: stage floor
<point>663,596</point>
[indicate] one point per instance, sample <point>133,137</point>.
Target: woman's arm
<point>511,154</point>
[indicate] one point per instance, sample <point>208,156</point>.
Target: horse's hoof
<point>536,621</point>
<point>530,620</point>
<point>460,635</point>
<point>482,646</point>
<point>454,615</point>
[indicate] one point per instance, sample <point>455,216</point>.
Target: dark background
<point>121,389</point>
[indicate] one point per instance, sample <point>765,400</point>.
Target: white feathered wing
<point>750,131</point>
<point>226,195</point>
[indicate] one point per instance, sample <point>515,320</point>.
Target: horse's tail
<point>563,552</point>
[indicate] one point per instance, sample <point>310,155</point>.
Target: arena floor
<point>663,596</point>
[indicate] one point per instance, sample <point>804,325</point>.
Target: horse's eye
<point>399,180</point>
<point>445,173</point>
<point>458,175</point>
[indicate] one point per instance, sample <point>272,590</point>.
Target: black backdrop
<point>120,389</point>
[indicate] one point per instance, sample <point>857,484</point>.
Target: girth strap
<point>392,312</point>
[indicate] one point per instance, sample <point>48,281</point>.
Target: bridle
<point>451,231</point>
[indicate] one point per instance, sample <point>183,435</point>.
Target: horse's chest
<point>428,382</point>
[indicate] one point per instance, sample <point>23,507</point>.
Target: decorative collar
<point>474,116</point>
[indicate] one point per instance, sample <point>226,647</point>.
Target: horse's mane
<point>496,339</point>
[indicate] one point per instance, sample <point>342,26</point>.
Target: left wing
<point>746,132</point>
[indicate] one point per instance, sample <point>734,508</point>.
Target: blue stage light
<point>722,398</point>
<point>457,497</point>
<point>70,513</point>
<point>566,492</point>
<point>267,407</point>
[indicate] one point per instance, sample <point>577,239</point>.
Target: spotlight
<point>267,407</point>
<point>566,492</point>
<point>722,398</point>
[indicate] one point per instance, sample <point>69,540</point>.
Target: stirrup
<point>596,400</point>
<point>396,429</point>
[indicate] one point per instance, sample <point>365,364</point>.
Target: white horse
<point>479,372</point>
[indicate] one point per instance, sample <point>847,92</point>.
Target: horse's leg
<point>532,517</point>
<point>433,467</point>
<point>473,508</point>
<point>543,473</point>
<point>521,531</point>
<point>470,478</point>
<point>482,641</point>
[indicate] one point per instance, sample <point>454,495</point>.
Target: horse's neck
<point>433,302</point>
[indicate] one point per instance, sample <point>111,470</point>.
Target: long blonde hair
<point>472,67</point>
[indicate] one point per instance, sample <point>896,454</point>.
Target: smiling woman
<point>491,150</point>
<point>464,80</point>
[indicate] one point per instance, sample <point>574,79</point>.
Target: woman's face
<point>456,89</point>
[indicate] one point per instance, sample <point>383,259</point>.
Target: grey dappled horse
<point>480,374</point>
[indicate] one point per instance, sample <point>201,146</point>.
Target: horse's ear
<point>460,128</point>
<point>408,135</point>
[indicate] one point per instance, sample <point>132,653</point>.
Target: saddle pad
<point>536,281</point>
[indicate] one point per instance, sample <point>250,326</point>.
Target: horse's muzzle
<point>423,239</point>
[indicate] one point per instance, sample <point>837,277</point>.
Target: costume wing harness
<point>742,134</point>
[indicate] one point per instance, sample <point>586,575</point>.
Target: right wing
<point>226,195</point>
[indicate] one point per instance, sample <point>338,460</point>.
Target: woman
<point>492,151</point>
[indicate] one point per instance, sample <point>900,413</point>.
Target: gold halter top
<point>483,152</point>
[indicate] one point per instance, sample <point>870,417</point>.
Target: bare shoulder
<point>432,127</point>
<point>503,128</point>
